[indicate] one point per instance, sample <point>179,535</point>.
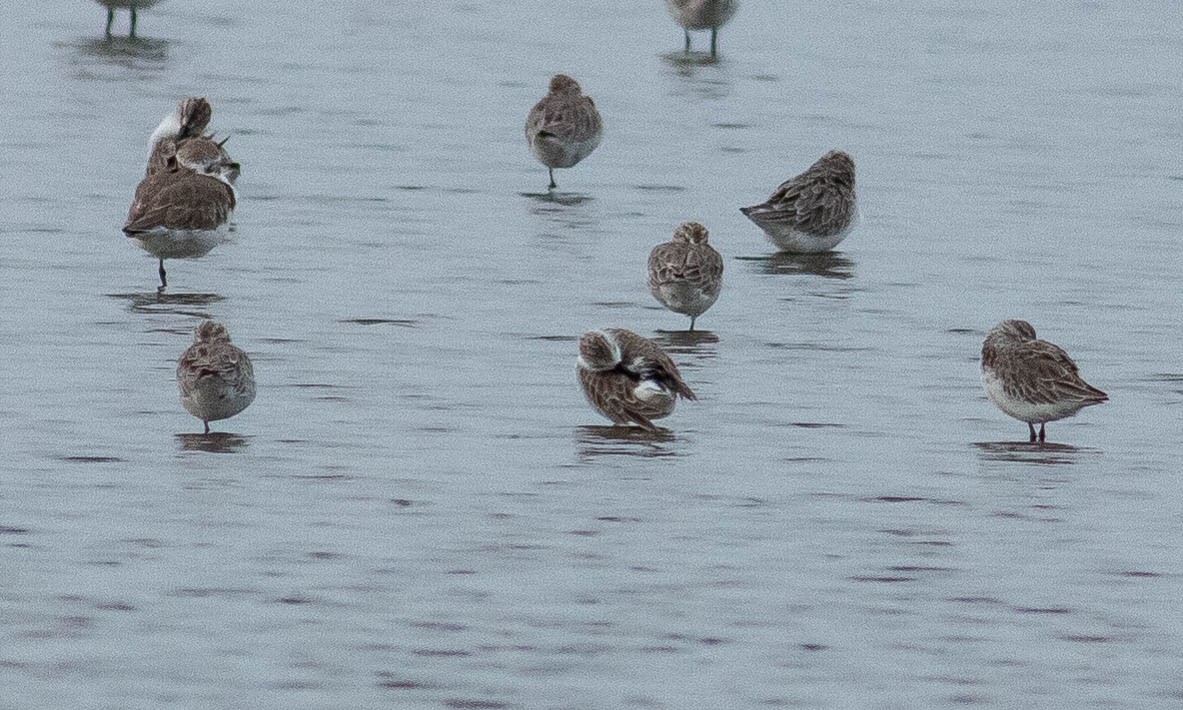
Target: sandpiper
<point>215,377</point>
<point>185,128</point>
<point>132,5</point>
<point>686,273</point>
<point>702,15</point>
<point>564,127</point>
<point>1032,380</point>
<point>628,378</point>
<point>813,211</point>
<point>180,213</point>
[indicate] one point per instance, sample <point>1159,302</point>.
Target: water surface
<point>419,510</point>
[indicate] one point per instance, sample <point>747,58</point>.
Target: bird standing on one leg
<point>564,127</point>
<point>216,378</point>
<point>686,273</point>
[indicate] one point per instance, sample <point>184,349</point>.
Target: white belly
<point>1024,411</point>
<point>555,153</point>
<point>180,243</point>
<point>788,238</point>
<point>681,297</point>
<point>213,398</point>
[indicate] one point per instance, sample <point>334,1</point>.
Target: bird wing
<point>180,202</point>
<point>1045,374</point>
<point>647,360</point>
<point>699,265</point>
<point>568,118</point>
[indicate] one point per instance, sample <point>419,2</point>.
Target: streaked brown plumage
<point>702,15</point>
<point>1032,380</point>
<point>564,127</point>
<point>628,378</point>
<point>813,211</point>
<point>686,273</point>
<point>216,378</point>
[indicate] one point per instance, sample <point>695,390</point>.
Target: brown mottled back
<point>564,112</point>
<point>687,258</point>
<point>1034,370</point>
<point>819,201</point>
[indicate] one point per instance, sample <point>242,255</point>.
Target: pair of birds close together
<point>811,212</point>
<point>182,207</point>
<point>629,378</point>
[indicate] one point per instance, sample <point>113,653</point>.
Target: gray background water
<point>420,510</point>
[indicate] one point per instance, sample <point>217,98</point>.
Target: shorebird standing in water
<point>813,211</point>
<point>686,273</point>
<point>181,213</point>
<point>564,127</point>
<point>184,128</point>
<point>702,15</point>
<point>132,5</point>
<point>1032,380</point>
<point>628,378</point>
<point>215,377</point>
<point>182,207</point>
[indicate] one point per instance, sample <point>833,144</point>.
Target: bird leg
<point>206,425</point>
<point>714,40</point>
<point>1031,428</point>
<point>110,20</point>
<point>1042,434</point>
<point>164,283</point>
<point>553,184</point>
<point>687,48</point>
<point>133,23</point>
<point>692,318</point>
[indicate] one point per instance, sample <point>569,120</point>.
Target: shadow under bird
<point>132,5</point>
<point>182,207</point>
<point>628,378</point>
<point>702,15</point>
<point>1032,380</point>
<point>813,211</point>
<point>564,127</point>
<point>215,377</point>
<point>686,273</point>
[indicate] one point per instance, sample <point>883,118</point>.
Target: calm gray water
<point>419,510</point>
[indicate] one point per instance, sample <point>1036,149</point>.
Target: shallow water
<point>419,510</point>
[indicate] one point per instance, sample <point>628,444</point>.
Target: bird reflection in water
<point>162,302</point>
<point>126,52</point>
<point>1040,454</point>
<point>551,199</point>
<point>216,442</point>
<point>699,343</point>
<point>598,441</point>
<point>828,264</point>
